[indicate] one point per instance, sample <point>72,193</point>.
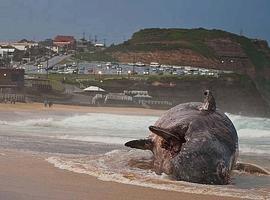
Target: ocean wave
<point>254,123</point>
<point>90,120</point>
<point>42,122</point>
<point>125,122</point>
<point>118,129</point>
<point>95,138</point>
<point>253,150</point>
<point>253,133</point>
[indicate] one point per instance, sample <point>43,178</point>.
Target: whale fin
<point>163,133</point>
<point>250,168</point>
<point>209,103</point>
<point>171,142</point>
<point>144,144</point>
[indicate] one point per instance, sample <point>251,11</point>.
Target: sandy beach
<point>26,174</point>
<point>37,107</point>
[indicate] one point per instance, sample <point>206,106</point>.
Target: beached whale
<point>193,142</point>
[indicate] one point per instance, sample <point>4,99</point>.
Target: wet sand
<point>26,176</point>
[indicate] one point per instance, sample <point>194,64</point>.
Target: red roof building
<point>63,41</point>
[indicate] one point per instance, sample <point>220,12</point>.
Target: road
<point>42,70</point>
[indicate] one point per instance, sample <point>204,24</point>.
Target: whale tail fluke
<point>250,168</point>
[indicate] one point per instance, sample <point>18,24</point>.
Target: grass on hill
<point>193,39</point>
<point>105,80</point>
<point>171,39</point>
<point>258,58</point>
<point>95,56</point>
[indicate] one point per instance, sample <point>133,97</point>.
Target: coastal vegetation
<point>193,39</point>
<point>94,56</point>
<point>87,79</point>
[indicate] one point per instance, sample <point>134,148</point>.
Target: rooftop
<point>64,38</point>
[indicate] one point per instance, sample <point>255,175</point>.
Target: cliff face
<point>184,57</point>
<point>200,48</point>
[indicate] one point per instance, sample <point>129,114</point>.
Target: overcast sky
<point>116,20</point>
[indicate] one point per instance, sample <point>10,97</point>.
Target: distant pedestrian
<point>50,104</point>
<point>45,103</point>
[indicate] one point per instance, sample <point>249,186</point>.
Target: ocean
<point>93,143</point>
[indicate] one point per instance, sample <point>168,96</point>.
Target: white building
<point>55,49</point>
<point>23,46</point>
<point>154,64</point>
<point>6,52</point>
<point>99,45</point>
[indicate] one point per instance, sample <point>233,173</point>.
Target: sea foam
<point>254,133</point>
<point>115,166</point>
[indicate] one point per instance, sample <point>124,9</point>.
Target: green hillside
<point>193,39</point>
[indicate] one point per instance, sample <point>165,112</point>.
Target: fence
<point>96,98</point>
<point>118,97</point>
<point>12,97</point>
<point>152,102</point>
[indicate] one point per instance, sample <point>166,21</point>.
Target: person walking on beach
<point>45,103</point>
<point>50,104</point>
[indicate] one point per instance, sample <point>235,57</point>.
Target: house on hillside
<point>64,43</point>
<point>6,52</point>
<point>23,45</point>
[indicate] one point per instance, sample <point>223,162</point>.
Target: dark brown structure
<point>42,85</point>
<point>11,78</point>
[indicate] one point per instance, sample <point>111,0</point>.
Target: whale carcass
<point>193,142</point>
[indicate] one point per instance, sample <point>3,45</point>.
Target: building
<point>6,52</point>
<point>22,45</point>
<point>11,78</point>
<point>55,49</point>
<point>65,42</point>
<point>99,45</point>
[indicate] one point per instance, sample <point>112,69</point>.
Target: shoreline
<point>26,175</point>
<point>39,107</point>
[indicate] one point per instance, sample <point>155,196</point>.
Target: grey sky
<point>116,20</point>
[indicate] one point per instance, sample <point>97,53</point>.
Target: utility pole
<point>241,32</point>
<point>47,68</point>
<point>133,66</point>
<point>90,38</point>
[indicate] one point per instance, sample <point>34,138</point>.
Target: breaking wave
<point>254,133</point>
